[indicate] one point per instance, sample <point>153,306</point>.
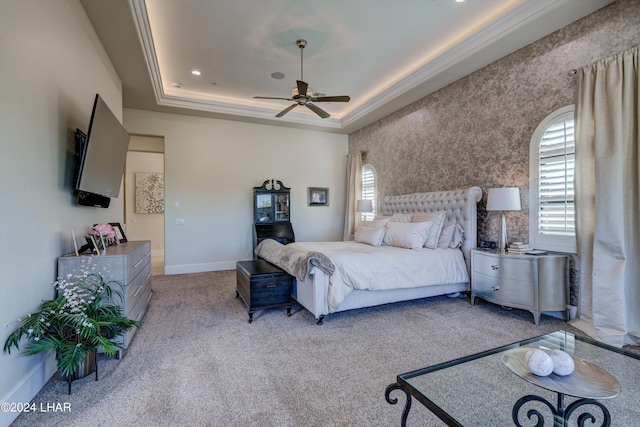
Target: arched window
<point>368,190</point>
<point>551,168</point>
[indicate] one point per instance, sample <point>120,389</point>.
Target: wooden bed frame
<point>459,205</point>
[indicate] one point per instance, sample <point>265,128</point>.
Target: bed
<point>389,274</point>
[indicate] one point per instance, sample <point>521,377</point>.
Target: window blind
<point>556,210</point>
<point>368,191</point>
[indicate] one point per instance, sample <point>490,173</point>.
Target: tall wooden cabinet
<point>128,263</point>
<point>272,213</point>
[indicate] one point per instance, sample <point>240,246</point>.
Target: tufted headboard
<point>460,205</point>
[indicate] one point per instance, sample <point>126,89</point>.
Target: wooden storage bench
<point>262,285</point>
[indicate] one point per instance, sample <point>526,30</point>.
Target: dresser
<point>128,263</point>
<point>536,283</point>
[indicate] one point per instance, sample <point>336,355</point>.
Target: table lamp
<point>364,206</point>
<point>503,199</point>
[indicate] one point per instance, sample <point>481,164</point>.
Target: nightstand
<point>262,285</point>
<point>536,283</point>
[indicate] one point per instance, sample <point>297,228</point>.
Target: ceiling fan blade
<point>319,111</point>
<point>271,97</point>
<point>302,88</point>
<point>286,110</point>
<point>344,98</point>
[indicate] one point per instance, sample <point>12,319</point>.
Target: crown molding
<point>474,49</point>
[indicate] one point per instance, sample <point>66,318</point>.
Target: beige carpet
<point>198,362</point>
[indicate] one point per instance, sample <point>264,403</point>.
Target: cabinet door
<point>264,207</point>
<point>281,207</point>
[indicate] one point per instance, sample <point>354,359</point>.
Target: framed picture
<point>92,243</point>
<point>318,196</point>
<point>119,232</point>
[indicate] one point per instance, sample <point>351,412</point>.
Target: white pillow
<point>437,221</point>
<point>458,237</point>
<point>406,235</point>
<point>376,223</point>
<point>451,236</point>
<point>370,235</point>
<point>446,235</point>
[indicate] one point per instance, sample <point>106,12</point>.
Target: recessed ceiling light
<point>196,73</point>
<point>277,75</point>
<point>459,1</point>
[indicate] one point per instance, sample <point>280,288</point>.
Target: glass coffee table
<point>492,388</point>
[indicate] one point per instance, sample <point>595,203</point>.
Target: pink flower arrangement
<point>105,230</point>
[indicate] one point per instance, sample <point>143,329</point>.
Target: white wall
<point>211,167</point>
<point>51,66</point>
<point>143,226</point>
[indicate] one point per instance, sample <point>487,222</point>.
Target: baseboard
<point>28,388</point>
<point>199,268</point>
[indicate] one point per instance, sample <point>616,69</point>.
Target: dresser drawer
<point>508,267</point>
<point>137,313</point>
<point>136,288</point>
<point>520,293</point>
<point>137,260</point>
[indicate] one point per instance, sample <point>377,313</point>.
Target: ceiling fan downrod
<point>301,44</point>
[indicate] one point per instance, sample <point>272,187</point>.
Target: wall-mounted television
<point>102,153</point>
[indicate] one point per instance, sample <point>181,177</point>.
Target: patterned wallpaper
<point>477,130</point>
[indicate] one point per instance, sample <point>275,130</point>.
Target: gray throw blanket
<point>296,262</point>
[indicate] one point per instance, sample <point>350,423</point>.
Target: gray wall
<point>477,130</point>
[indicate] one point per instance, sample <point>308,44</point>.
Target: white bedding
<point>365,267</point>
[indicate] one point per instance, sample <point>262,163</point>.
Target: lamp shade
<point>364,206</point>
<point>503,199</point>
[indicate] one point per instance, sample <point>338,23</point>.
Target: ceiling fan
<point>303,95</point>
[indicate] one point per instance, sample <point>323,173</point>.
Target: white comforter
<point>361,266</point>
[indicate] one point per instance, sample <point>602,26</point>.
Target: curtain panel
<point>607,193</point>
<point>354,192</point>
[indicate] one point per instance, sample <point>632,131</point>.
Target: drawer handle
<point>137,263</point>
<point>147,254</point>
<point>136,292</point>
<point>495,267</point>
<point>148,276</point>
<point>495,288</point>
<point>271,285</point>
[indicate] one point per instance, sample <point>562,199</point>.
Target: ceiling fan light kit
<point>303,95</point>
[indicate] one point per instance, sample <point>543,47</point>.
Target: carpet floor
<point>197,361</point>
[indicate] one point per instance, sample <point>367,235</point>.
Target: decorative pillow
<point>437,219</point>
<point>458,237</point>
<point>424,216</point>
<point>402,218</point>
<point>406,235</point>
<point>370,235</point>
<point>446,235</point>
<point>376,223</point>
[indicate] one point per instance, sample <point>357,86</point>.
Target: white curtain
<point>354,192</point>
<point>608,199</point>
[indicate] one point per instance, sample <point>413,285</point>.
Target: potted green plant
<point>83,317</point>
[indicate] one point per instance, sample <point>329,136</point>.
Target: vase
<point>87,367</point>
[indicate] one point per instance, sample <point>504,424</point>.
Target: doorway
<point>144,195</point>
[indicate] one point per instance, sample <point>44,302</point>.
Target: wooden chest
<point>262,285</point>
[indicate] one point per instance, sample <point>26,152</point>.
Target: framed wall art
<point>318,196</point>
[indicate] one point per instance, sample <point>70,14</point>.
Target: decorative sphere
<point>539,362</point>
<point>563,363</point>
